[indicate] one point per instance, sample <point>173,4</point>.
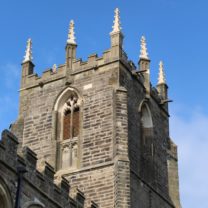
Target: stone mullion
<point>71,121</point>
<point>70,152</point>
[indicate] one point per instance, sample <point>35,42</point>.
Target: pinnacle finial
<point>117,23</point>
<point>71,34</point>
<point>28,52</point>
<point>161,76</point>
<point>54,68</point>
<point>143,50</point>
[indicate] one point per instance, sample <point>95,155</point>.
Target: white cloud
<point>190,134</point>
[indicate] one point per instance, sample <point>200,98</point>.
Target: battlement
<point>94,129</point>
<point>78,66</point>
<point>33,80</point>
<point>57,191</point>
<point>94,61</point>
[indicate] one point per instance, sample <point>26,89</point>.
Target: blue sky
<point>176,32</point>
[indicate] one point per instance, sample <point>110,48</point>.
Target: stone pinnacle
<point>28,52</point>
<point>117,24</point>
<point>71,34</point>
<point>161,76</point>
<point>143,50</point>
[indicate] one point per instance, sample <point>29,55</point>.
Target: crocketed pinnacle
<point>161,76</point>
<point>71,34</point>
<point>28,52</point>
<point>117,24</point>
<point>143,50</point>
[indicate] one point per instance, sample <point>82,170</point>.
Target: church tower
<point>102,125</point>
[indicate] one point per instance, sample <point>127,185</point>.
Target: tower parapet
<point>101,124</point>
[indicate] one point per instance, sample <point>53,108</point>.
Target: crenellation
<point>107,55</point>
<point>79,65</point>
<point>92,58</point>
<point>40,177</point>
<point>65,187</point>
<point>49,171</point>
<point>20,162</point>
<point>10,143</point>
<point>30,157</point>
<point>33,76</point>
<point>48,76</point>
<point>99,125</point>
<point>2,151</point>
<point>83,64</point>
<point>80,198</point>
<point>36,184</point>
<point>94,62</point>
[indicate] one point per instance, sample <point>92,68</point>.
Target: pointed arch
<point>146,116</point>
<point>67,125</point>
<point>147,143</point>
<point>67,114</point>
<point>34,204</point>
<point>5,196</point>
<point>63,95</point>
<point>146,122</point>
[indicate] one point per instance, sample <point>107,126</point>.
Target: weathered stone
<point>99,124</point>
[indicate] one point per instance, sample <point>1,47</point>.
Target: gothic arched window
<point>67,110</point>
<point>146,122</point>
<point>147,148</point>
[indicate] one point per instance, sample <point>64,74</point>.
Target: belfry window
<point>146,122</point>
<point>67,122</point>
<point>147,147</point>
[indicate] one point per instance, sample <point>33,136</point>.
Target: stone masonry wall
<point>37,133</point>
<point>96,87</point>
<point>38,188</point>
<point>136,95</point>
<point>110,149</point>
<point>173,174</point>
<point>97,183</point>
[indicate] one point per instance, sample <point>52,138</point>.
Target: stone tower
<point>102,125</point>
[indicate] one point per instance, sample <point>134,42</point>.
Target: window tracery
<point>71,118</point>
<point>68,129</point>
